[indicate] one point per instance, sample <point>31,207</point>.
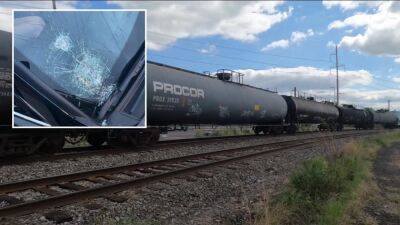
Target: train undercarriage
<point>27,142</point>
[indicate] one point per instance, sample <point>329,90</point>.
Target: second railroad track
<point>116,179</point>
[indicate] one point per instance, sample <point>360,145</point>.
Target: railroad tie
<point>175,165</point>
<point>156,170</point>
<point>48,191</point>
<point>98,180</point>
<point>144,170</point>
<point>136,174</point>
<point>113,177</point>
<point>10,200</point>
<point>163,168</point>
<point>72,186</point>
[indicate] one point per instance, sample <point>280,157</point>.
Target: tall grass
<point>322,189</point>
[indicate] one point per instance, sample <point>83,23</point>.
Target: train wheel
<point>74,138</point>
<point>276,130</point>
<point>96,139</point>
<point>291,129</point>
<point>53,144</point>
<point>266,130</point>
<point>257,130</point>
<point>129,140</point>
<point>123,140</point>
<point>155,136</point>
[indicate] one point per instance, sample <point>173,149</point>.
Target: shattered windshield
<point>75,51</point>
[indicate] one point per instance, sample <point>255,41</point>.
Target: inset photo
<point>79,69</point>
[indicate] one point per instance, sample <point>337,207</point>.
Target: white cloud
<point>295,37</point>
<point>242,21</point>
<point>397,60</point>
<point>6,20</point>
<point>358,20</point>
<point>298,36</point>
<point>349,5</point>
<point>7,6</point>
<point>304,78</point>
<point>209,49</point>
<point>381,31</point>
<point>372,98</point>
<point>396,79</point>
<point>320,83</point>
<point>331,44</point>
<point>276,44</point>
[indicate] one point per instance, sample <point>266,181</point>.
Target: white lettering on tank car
<point>168,88</point>
<point>176,89</point>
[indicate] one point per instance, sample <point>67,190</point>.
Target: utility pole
<point>337,76</point>
<point>389,105</point>
<point>54,4</point>
<point>295,91</point>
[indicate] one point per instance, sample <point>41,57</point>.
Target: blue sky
<point>206,36</point>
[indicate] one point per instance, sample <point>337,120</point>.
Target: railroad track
<point>77,152</point>
<point>116,179</point>
<point>80,152</point>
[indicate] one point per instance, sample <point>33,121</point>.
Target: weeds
<point>323,188</point>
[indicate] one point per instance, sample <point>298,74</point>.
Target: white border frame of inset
<point>80,127</point>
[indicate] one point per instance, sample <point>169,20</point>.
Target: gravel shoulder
<point>384,206</point>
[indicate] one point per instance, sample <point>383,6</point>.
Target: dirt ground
<point>384,206</point>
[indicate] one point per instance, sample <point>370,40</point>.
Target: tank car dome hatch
<point>224,76</point>
<point>348,106</point>
<point>328,102</point>
<point>229,75</point>
<point>382,110</point>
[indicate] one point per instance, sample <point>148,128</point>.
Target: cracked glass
<point>75,51</point>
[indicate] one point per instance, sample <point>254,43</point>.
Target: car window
<point>75,50</point>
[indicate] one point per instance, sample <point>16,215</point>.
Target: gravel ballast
<point>13,173</point>
<point>222,195</point>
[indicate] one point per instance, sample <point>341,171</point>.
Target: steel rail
<point>81,195</point>
<point>110,150</point>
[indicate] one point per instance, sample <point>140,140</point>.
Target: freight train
<point>187,97</point>
<point>180,97</point>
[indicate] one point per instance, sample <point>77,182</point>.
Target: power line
<point>254,61</point>
<point>253,52</point>
<point>192,61</point>
<point>243,50</point>
<point>232,58</point>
